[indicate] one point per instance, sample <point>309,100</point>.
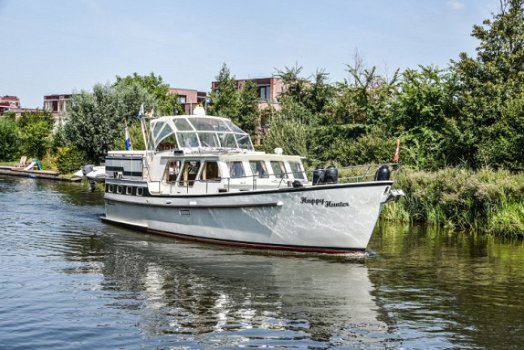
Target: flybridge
<point>200,132</point>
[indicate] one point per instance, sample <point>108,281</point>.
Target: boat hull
<point>328,219</point>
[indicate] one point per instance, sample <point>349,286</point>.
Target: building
<point>12,104</point>
<point>189,98</point>
<point>9,103</point>
<point>56,104</point>
<point>268,90</point>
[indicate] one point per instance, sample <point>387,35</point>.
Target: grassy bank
<point>486,200</point>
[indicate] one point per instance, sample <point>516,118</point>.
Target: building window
<point>182,98</point>
<point>54,107</point>
<point>263,93</point>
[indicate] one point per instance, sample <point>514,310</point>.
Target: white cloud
<point>455,4</point>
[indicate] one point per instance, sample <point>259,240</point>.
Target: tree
<point>248,111</point>
<point>94,121</point>
<point>9,139</point>
<point>165,103</point>
<point>224,101</point>
<point>35,138</point>
<point>35,133</point>
<point>492,83</point>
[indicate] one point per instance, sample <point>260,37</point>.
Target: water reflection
<point>197,291</point>
<point>460,289</point>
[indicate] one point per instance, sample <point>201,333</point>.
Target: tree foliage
<point>240,106</point>
<point>163,102</point>
<point>9,139</point>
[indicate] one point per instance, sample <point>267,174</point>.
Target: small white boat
<point>92,172</point>
<point>201,179</point>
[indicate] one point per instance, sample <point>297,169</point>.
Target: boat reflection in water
<point>200,293</point>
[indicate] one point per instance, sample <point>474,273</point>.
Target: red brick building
<point>56,104</point>
<point>268,90</point>
<point>189,98</point>
<point>9,103</point>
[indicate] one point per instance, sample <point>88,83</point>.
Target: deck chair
<point>23,162</point>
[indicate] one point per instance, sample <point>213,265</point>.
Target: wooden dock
<point>37,174</point>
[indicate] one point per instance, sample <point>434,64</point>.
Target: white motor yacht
<point>201,179</point>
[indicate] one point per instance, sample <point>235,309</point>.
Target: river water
<point>69,281</point>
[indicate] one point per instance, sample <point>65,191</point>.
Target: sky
<point>63,46</point>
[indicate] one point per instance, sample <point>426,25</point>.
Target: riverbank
<point>487,200</point>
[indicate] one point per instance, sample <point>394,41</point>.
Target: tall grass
<point>486,200</point>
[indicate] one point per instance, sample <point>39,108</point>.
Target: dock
<point>38,174</point>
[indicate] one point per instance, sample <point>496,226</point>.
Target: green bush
<point>69,159</point>
<point>9,139</point>
<point>486,200</point>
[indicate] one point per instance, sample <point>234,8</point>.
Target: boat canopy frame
<point>198,132</point>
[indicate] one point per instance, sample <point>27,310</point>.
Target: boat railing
<point>363,172</point>
<point>354,173</point>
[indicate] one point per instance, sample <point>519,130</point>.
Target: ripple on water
<point>70,281</point>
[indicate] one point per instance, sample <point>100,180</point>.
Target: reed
<point>486,200</point>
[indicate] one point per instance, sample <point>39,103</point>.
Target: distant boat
<point>201,179</point>
<point>92,172</point>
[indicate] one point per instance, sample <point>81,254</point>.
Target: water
<point>69,281</point>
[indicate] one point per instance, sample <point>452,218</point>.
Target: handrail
<point>364,176</point>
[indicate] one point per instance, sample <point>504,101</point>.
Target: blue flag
<point>140,112</point>
<point>128,141</point>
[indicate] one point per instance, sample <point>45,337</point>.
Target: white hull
<point>331,219</point>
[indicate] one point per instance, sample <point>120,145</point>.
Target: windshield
<point>198,132</point>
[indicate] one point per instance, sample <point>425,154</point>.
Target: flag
<point>397,152</point>
<point>140,112</point>
<point>128,141</point>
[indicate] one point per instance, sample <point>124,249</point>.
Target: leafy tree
<point>35,117</point>
<point>239,106</point>
<point>94,121</point>
<point>164,103</point>
<point>224,101</point>
<point>9,139</point>
<point>97,119</point>
<point>492,83</point>
<point>35,138</point>
<point>291,136</point>
<point>248,111</point>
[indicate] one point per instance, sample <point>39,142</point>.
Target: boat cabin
<point>204,154</point>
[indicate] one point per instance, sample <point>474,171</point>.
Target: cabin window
<point>296,168</point>
<point>258,168</point>
<point>236,169</point>
<point>279,170</point>
<point>129,190</point>
<point>119,189</point>
<point>187,139</point>
<point>110,188</point>
<point>139,191</point>
<point>244,142</point>
<point>227,140</point>
<point>208,139</point>
<point>167,143</point>
<point>172,170</point>
<point>210,171</point>
<point>165,132</point>
<point>189,173</point>
<point>182,124</point>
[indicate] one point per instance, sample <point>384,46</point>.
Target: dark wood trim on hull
<point>240,244</point>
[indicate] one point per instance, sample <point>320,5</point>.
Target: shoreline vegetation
<point>461,128</point>
<point>487,200</point>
